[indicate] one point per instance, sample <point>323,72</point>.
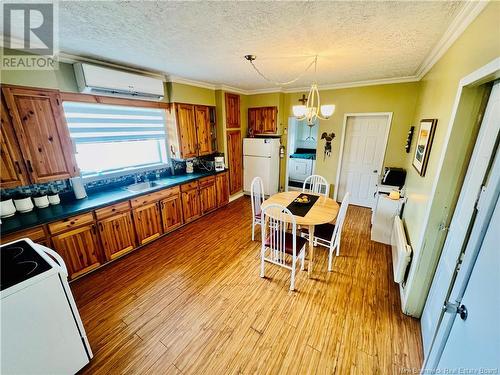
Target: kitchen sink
<point>142,186</point>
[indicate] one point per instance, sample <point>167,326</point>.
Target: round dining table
<point>324,210</point>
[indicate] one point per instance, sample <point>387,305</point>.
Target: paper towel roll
<point>78,187</point>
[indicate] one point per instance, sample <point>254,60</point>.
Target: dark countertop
<point>303,156</point>
<point>96,200</point>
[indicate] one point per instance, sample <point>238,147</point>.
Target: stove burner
<point>19,262</point>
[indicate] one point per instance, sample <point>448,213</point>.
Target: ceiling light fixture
<point>312,108</point>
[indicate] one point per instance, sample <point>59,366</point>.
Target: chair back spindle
<point>316,184</point>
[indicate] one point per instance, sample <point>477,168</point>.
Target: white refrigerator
<point>261,157</point>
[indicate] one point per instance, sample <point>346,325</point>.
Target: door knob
<point>375,171</point>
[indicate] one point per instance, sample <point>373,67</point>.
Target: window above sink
<point>112,140</point>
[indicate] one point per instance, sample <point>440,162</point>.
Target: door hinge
<point>480,197</point>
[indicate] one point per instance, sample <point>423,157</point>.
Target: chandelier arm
<point>283,83</point>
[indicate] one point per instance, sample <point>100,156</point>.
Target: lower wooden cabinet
<point>191,207</point>
<point>222,187</point>
<point>208,194</point>
<point>117,235</point>
<point>171,213</point>
<point>147,222</point>
<point>37,235</point>
<point>79,248</point>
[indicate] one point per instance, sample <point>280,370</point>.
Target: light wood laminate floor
<point>193,303</point>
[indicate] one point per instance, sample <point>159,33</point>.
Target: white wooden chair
<point>279,246</point>
<point>316,184</point>
<point>257,195</point>
<point>328,235</point>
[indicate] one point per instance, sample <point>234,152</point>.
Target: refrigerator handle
<point>56,257</point>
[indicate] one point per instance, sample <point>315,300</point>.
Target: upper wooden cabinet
<point>263,120</point>
<point>222,187</point>
<point>232,110</point>
<point>190,131</point>
<point>235,160</point>
<point>42,133</point>
<point>12,171</point>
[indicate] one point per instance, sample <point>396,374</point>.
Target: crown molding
<point>464,18</point>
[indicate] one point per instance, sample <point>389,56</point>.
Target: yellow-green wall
<point>398,98</point>
<point>182,93</point>
<point>477,46</point>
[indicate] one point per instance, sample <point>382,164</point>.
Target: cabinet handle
<point>30,168</point>
<point>18,167</point>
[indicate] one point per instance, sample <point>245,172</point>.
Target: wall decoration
<point>425,136</point>
<point>409,137</point>
<point>328,144</point>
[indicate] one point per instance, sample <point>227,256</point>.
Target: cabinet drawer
<point>207,181</point>
<point>105,212</point>
<point>70,223</point>
<point>153,197</point>
<point>189,186</point>
<point>35,234</point>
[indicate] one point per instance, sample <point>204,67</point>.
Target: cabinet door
<point>171,213</point>
<point>117,235</point>
<point>269,120</point>
<point>191,208</point>
<point>79,249</point>
<point>235,161</point>
<point>222,187</point>
<point>232,110</point>
<point>208,194</point>
<point>12,171</point>
<point>147,222</point>
<point>253,120</point>
<point>202,116</point>
<point>42,133</point>
<point>187,130</point>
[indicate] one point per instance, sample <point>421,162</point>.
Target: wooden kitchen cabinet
<point>147,222</point>
<point>232,110</point>
<point>203,130</point>
<point>191,207</point>
<point>41,132</point>
<point>12,171</point>
<point>79,248</point>
<point>171,212</point>
<point>263,120</point>
<point>37,235</point>
<point>117,235</point>
<point>208,194</point>
<point>222,187</point>
<point>189,129</point>
<point>235,160</point>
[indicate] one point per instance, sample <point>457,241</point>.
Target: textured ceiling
<point>206,41</point>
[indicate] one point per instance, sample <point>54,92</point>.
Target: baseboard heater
<point>401,251</point>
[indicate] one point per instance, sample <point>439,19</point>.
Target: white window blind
<point>111,138</point>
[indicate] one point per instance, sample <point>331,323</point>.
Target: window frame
<point>112,100</point>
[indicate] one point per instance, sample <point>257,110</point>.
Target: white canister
<point>54,199</point>
<point>189,166</point>
<point>41,202</point>
<point>78,187</point>
<point>24,204</point>
<point>7,208</point>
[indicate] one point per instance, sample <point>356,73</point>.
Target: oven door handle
<point>57,258</point>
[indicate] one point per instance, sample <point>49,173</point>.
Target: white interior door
<point>474,339</point>
<point>463,219</point>
<point>365,140</point>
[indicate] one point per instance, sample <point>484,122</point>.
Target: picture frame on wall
<point>424,137</point>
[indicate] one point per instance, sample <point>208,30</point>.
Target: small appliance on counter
<point>394,177</point>
<point>219,163</point>
<point>42,332</point>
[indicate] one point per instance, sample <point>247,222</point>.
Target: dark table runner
<point>301,209</point>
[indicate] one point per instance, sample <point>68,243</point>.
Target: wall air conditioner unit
<point>98,80</point>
